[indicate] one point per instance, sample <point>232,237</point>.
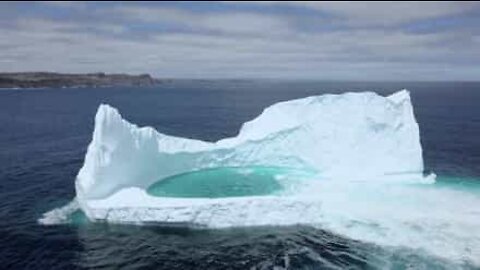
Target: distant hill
<point>60,80</point>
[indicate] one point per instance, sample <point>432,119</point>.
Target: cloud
<point>172,41</point>
<point>63,3</point>
<point>386,13</point>
<point>226,23</point>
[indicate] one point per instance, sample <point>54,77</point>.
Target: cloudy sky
<point>291,40</point>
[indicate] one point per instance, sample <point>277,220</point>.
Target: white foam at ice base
<point>443,222</point>
<point>368,185</point>
<point>60,215</point>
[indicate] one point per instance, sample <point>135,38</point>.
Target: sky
<point>431,41</point>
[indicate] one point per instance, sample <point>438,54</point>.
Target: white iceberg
<point>349,163</point>
<point>353,136</point>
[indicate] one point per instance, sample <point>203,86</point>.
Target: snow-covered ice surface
<point>361,152</point>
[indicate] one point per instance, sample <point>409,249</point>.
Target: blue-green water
<point>220,182</point>
<point>465,184</point>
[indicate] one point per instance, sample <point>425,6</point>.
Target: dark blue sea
<point>44,134</point>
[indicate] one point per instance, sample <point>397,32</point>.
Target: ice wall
<point>346,137</point>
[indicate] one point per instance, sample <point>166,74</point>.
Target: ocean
<point>44,134</point>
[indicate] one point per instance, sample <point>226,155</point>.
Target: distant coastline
<point>20,80</point>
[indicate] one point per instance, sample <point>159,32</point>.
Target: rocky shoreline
<point>62,80</point>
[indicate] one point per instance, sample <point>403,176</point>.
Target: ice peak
<point>400,96</point>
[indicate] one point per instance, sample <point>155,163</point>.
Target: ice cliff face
<point>360,152</point>
<point>353,136</point>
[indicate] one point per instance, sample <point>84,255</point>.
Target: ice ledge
<point>211,213</point>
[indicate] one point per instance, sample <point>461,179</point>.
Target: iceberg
<point>349,163</point>
<point>347,137</point>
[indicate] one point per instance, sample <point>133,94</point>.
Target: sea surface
<point>44,134</point>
